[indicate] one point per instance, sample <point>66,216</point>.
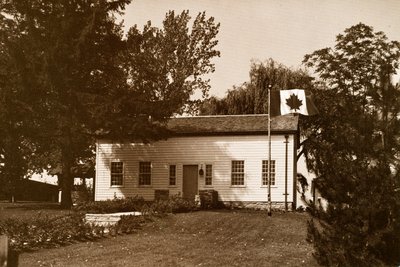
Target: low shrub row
<point>128,224</point>
<point>45,231</point>
<point>111,206</point>
<point>173,204</point>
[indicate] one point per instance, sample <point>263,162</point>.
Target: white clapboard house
<point>228,154</point>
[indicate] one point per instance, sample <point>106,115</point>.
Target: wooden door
<point>190,181</point>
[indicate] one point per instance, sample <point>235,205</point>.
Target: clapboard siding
<point>216,150</point>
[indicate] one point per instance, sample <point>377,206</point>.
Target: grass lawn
<point>204,238</point>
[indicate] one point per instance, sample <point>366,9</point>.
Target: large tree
<point>57,48</point>
<point>15,114</point>
<point>252,96</point>
<point>352,147</point>
<point>91,82</point>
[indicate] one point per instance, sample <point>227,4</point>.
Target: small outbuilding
<point>227,155</point>
<point>29,190</point>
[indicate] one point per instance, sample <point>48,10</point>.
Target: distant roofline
<point>248,123</point>
<point>230,125</point>
<point>263,133</point>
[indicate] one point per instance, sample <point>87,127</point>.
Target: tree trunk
<point>13,168</point>
<point>67,180</point>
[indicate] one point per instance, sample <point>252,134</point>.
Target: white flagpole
<point>269,152</point>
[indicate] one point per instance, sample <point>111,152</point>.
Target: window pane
<point>145,167</point>
<point>208,175</point>
<point>117,173</point>
<point>116,167</point>
<point>172,174</point>
<point>144,179</point>
<point>237,172</point>
<point>144,173</point>
<point>237,179</point>
<point>238,166</point>
<point>116,179</point>
<point>265,172</point>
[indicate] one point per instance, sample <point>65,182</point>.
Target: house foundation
<point>256,205</point>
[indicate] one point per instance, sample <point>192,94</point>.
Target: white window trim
<point>212,175</point>
<point>123,174</point>
<point>272,185</point>
<point>244,174</point>
<point>176,175</point>
<point>151,174</point>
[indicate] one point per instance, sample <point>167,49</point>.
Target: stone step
<point>108,219</point>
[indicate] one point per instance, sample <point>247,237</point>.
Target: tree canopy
<point>15,114</point>
<point>251,97</point>
<point>352,147</point>
<point>84,79</point>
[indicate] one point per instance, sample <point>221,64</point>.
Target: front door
<point>190,183</point>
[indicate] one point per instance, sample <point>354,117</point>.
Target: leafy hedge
<point>128,224</point>
<point>174,204</point>
<point>112,206</point>
<point>45,231</point>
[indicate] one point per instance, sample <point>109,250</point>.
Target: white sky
<point>284,30</point>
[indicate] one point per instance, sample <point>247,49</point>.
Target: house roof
<point>232,124</point>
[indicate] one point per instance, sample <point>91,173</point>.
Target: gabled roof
<point>232,124</point>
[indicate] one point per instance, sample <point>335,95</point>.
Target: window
<point>208,174</point>
<point>117,175</point>
<point>265,172</point>
<point>172,174</point>
<point>144,173</point>
<point>237,172</point>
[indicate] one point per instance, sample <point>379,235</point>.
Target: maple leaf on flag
<point>294,102</point>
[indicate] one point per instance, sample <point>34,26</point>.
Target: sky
<point>283,30</point>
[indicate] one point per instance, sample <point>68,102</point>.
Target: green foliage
<point>45,232</point>
<point>54,50</point>
<point>78,78</point>
<point>302,186</point>
<point>15,116</point>
<point>164,67</point>
<point>251,97</point>
<point>173,204</point>
<point>352,147</point>
<point>112,206</point>
<point>128,224</point>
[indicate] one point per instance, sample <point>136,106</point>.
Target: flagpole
<point>269,152</point>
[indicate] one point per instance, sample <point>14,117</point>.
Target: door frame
<point>197,177</point>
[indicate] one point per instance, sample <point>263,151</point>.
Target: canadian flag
<point>292,101</point>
